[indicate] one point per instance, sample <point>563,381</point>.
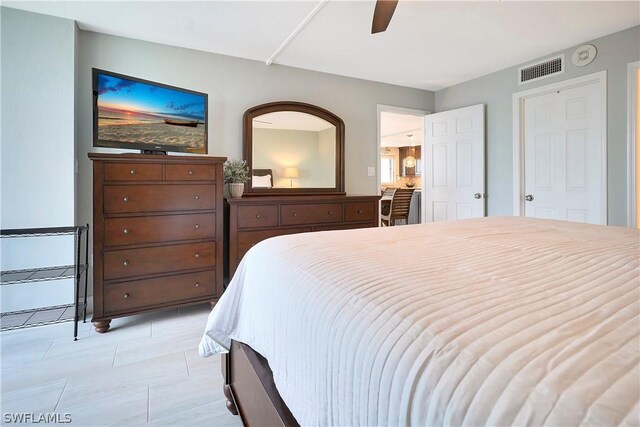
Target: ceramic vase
<point>236,189</point>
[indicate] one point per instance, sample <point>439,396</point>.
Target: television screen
<point>139,114</point>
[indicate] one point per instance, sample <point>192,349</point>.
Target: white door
<point>454,148</point>
<point>563,148</point>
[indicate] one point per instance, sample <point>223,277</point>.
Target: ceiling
<point>291,120</point>
<point>395,129</point>
<point>428,45</point>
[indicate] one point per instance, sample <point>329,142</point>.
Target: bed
<point>491,321</point>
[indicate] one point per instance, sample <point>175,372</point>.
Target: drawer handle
<point>197,226</point>
<point>125,231</point>
<point>126,295</point>
<point>126,263</point>
<point>330,212</point>
<point>197,284</point>
<point>197,197</point>
<point>190,172</point>
<point>197,255</point>
<point>258,216</point>
<point>125,199</point>
<point>132,172</point>
<point>295,214</point>
<point>360,211</point>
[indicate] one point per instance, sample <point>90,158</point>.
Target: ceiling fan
<point>382,15</point>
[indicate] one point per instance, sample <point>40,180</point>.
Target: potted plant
<point>236,173</point>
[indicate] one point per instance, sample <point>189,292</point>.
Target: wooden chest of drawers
<point>253,219</point>
<point>157,233</point>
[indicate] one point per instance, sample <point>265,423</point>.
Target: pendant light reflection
<point>410,161</point>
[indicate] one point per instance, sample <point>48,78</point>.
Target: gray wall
<point>495,90</point>
<point>234,85</point>
<point>41,53</point>
<point>37,149</point>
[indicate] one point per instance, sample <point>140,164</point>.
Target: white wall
<point>495,90</point>
<point>37,149</point>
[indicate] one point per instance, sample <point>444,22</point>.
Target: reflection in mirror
<point>297,148</point>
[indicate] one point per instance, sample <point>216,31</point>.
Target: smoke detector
<point>584,55</point>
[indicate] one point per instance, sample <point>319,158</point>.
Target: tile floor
<point>145,371</point>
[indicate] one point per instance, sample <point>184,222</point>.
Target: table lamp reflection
<point>291,173</point>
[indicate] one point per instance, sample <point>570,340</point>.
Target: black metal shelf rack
<point>75,271</point>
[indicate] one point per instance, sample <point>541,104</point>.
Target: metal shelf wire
<point>54,314</point>
<point>40,232</point>
<point>36,317</point>
<point>12,277</point>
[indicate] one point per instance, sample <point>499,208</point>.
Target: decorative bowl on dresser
<point>157,233</point>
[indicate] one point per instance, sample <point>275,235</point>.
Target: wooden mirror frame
<point>271,107</point>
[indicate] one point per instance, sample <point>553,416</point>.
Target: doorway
<point>560,151</point>
<point>400,160</point>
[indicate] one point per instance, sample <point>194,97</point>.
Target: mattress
<point>490,321</point>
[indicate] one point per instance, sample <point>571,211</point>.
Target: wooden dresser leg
<point>102,326</point>
<point>231,406</point>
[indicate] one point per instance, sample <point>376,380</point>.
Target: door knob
<point>477,196</point>
<point>528,198</point>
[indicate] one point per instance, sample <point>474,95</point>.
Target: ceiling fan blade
<point>382,15</point>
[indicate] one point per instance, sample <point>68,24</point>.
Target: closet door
<point>563,149</point>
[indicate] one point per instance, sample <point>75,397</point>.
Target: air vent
<point>540,70</point>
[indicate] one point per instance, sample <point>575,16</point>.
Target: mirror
<point>293,148</point>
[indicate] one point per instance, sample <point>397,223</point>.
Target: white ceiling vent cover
<point>540,70</point>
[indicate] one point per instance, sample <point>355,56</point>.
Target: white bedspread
<point>493,321</point>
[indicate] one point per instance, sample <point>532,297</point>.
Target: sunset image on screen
<point>135,112</point>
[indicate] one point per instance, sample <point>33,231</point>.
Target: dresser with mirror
<point>295,155</point>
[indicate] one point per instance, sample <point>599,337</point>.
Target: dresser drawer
<point>343,226</point>
<point>188,172</point>
<point>257,216</point>
<point>364,211</point>
<point>159,198</point>
<point>311,213</point>
<point>151,229</point>
<point>248,239</point>
<point>162,259</point>
<point>132,172</point>
<point>127,296</point>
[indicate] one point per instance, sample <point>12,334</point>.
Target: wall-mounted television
<point>152,117</point>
